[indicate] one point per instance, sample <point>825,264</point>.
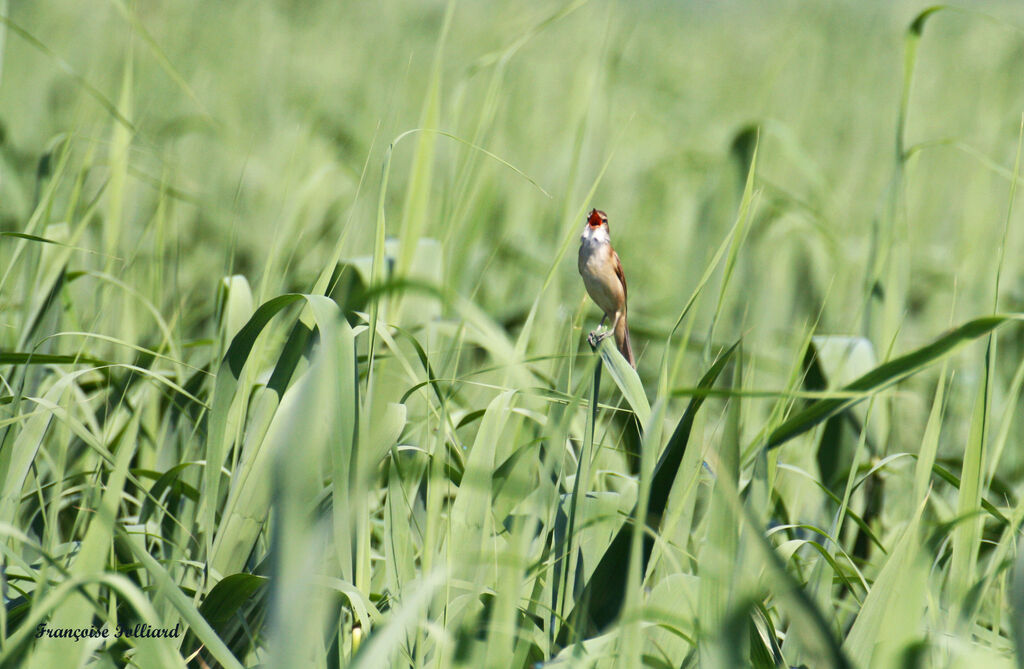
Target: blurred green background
<point>182,143</point>
<point>290,101</point>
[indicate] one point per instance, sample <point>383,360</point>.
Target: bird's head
<point>596,229</point>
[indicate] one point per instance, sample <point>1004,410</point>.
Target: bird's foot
<point>596,337</point>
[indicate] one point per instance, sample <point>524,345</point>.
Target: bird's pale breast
<point>597,268</point>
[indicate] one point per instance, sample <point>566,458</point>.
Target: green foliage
<point>292,344</point>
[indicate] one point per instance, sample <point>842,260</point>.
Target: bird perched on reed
<point>602,274</point>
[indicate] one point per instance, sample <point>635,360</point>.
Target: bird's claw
<point>596,337</point>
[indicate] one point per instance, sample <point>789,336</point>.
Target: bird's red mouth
<point>595,219</point>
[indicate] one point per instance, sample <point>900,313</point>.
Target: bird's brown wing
<point>621,328</point>
<point>619,273</point>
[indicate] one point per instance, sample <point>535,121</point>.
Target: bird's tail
<point>622,341</point>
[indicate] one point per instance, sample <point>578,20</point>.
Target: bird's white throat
<point>595,236</point>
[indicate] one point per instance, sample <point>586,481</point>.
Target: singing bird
<point>606,284</point>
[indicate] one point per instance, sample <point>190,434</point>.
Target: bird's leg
<point>600,337</point>
<point>595,337</point>
<point>610,331</point>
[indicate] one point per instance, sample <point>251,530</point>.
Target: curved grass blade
<point>627,380</point>
<point>21,358</point>
<point>885,375</point>
<point>850,513</point>
<point>226,385</point>
<point>672,456</point>
<point>911,40</point>
<point>222,604</point>
<point>244,512</point>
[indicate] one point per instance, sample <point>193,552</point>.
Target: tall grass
<point>291,339</point>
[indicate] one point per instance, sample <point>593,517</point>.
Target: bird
<point>605,281</point>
